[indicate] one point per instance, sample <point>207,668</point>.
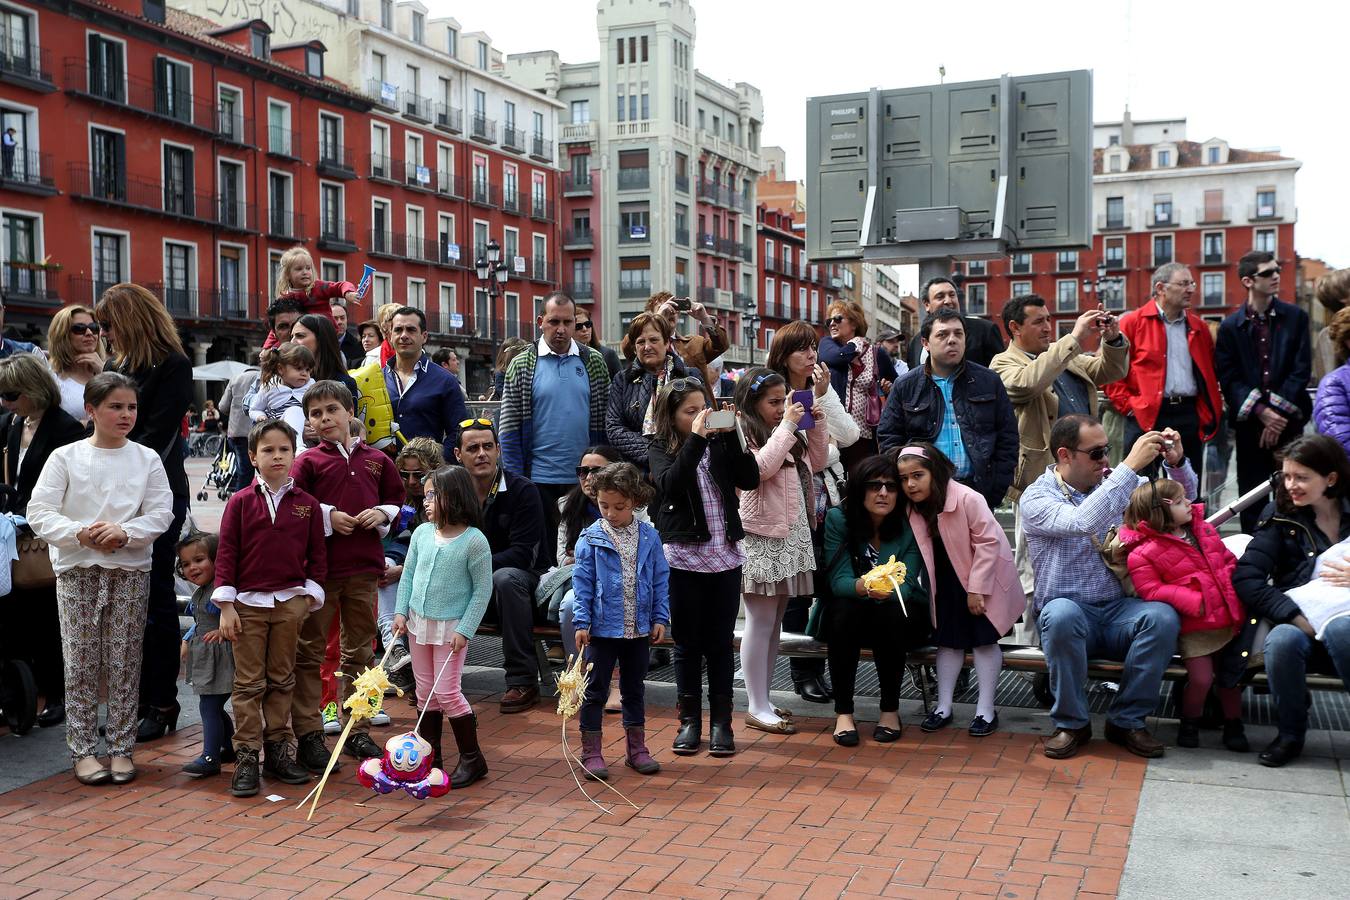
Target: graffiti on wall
<point>289,25</point>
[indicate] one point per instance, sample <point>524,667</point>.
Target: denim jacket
<point>597,582</point>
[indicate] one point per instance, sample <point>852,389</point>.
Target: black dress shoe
<point>982,727</point>
<point>1281,751</point>
<point>361,746</point>
<point>883,735</point>
<point>157,722</point>
<point>202,767</point>
<point>846,738</point>
<point>312,753</point>
<point>810,691</point>
<point>279,763</point>
<point>935,722</point>
<point>52,714</point>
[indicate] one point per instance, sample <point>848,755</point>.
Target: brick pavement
<point>930,816</point>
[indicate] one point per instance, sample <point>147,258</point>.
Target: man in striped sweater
<point>553,407</point>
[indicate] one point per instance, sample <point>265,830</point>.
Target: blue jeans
<point>1288,651</point>
<point>630,655</point>
<point>1142,635</point>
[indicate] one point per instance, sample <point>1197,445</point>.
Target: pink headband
<point>914,451</point>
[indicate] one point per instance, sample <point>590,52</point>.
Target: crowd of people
<point>625,500</point>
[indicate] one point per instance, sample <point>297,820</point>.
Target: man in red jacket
<point>1171,381</point>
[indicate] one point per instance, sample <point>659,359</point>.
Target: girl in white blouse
<point>100,503</point>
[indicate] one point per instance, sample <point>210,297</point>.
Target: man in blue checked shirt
<point>1082,607</point>
<point>960,407</point>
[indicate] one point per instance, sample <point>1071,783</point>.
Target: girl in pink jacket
<point>777,516</point>
<point>1177,558</point>
<point>972,579</point>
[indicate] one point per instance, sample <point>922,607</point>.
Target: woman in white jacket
<point>793,355</point>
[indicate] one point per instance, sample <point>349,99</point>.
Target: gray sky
<point>1260,75</point>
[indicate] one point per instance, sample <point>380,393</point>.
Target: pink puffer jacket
<point>771,508</point>
<point>1197,583</point>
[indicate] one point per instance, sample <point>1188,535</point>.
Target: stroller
<point>220,477</point>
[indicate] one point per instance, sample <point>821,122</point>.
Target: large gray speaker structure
<point>973,170</point>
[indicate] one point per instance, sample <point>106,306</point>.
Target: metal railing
<point>25,60</point>
<point>169,198</point>
<point>513,139</point>
<point>513,201</point>
<point>682,183</point>
<point>418,176</point>
<point>336,159</point>
<point>234,127</point>
<point>449,118</point>
<point>635,289</point>
<point>142,94</point>
<point>450,184</point>
<point>383,93</point>
<point>285,223</point>
<point>382,166</point>
<point>483,193</point>
<point>483,129</point>
<point>28,167</point>
<point>337,234</point>
<point>26,282</point>
<point>580,290</point>
<point>541,209</point>
<point>577,185</point>
<point>283,141</point>
<point>634,179</point>
<point>415,107</point>
<point>578,237</point>
<point>682,236</point>
<point>541,148</point>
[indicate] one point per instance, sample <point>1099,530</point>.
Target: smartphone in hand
<point>721,418</point>
<point>805,398</point>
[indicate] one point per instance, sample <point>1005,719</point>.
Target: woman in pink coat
<point>1178,558</point>
<point>972,579</point>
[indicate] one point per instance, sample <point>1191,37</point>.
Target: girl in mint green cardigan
<point>444,591</point>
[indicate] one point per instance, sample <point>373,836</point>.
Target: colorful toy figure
<point>406,766</point>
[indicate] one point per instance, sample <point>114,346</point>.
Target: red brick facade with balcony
<point>188,155</point>
<point>722,256</point>
<point>790,288</point>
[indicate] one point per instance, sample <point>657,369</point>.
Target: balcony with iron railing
<point>1122,221</point>
<point>286,224</point>
<point>283,142</point>
<point>578,239</point>
<point>28,171</point>
<point>514,201</point>
<point>383,93</point>
<point>630,289</point>
<point>231,304</point>
<point>448,118</point>
<point>165,198</point>
<point>418,177</point>
<point>450,185</point>
<point>541,148</point>
<point>179,300</point>
<point>736,201</point>
<point>1114,262</point>
<point>1163,218</point>
<point>1213,215</point>
<point>483,129</point>
<point>743,301</point>
<point>484,193</point>
<point>682,236</point>
<point>117,88</point>
<point>707,295</point>
<point>580,290</point>
<point>682,183</point>
<point>681,286</point>
<point>389,244</point>
<point>707,243</point>
<point>541,209</point>
<point>418,109</point>
<point>539,269</point>
<point>337,234</point>
<point>574,185</point>
<point>1066,262</point>
<point>710,191</point>
<point>634,179</point>
<point>1266,212</point>
<point>635,234</point>
<point>383,167</point>
<point>1211,256</point>
<point>26,64</point>
<point>336,161</point>
<point>513,139</point>
<point>30,283</point>
<point>234,127</point>
<point>448,253</point>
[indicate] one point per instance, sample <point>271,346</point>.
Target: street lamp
<point>1113,285</point>
<point>492,270</point>
<point>752,334</point>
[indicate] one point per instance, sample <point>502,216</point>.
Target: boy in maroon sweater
<point>360,493</point>
<point>269,565</point>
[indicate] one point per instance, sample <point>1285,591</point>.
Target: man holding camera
<point>696,351</point>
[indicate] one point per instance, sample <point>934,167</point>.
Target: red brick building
<point>157,147</point>
<point>790,287</point>
<point>1202,204</point>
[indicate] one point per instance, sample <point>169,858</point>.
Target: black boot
<point>1235,736</point>
<point>313,753</point>
<point>690,736</point>
<point>1188,735</point>
<point>430,729</point>
<point>156,722</point>
<point>279,763</point>
<point>720,740</point>
<point>472,766</point>
<point>1281,751</point>
<point>227,748</point>
<point>245,780</point>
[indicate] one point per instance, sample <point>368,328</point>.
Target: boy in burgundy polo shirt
<point>360,493</point>
<point>268,568</point>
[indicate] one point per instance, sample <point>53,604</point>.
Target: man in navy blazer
<point>428,401</point>
<point>1263,360</point>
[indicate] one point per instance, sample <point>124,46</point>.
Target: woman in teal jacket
<point>868,529</point>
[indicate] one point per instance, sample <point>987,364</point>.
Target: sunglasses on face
<point>1269,273</point>
<point>582,325</point>
<point>85,327</point>
<point>889,486</point>
<point>587,471</point>
<point>10,396</point>
<point>834,320</point>
<point>1096,454</point>
<point>414,476</point>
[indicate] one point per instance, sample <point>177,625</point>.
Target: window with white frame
<point>1211,289</point>
<point>977,299</point>
<point>1162,249</point>
<point>815,306</point>
<point>231,262</point>
<point>381,166</point>
<point>1021,288</point>
<point>180,274</point>
<point>539,262</point>
<point>280,221</point>
<point>383,286</point>
<point>449,304</point>
<point>1264,240</point>
<point>416,232</point>
<point>445,238</point>
<point>786,310</point>
<point>111,259</point>
<point>801,302</point>
<point>976,267</point>
<point>332,226</point>
<point>279,128</point>
<point>331,271</point>
<point>1066,296</point>
<point>770,295</point>
<point>513,315</point>
<point>417,294</point>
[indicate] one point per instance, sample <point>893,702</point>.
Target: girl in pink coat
<point>977,595</point>
<point>1177,558</point>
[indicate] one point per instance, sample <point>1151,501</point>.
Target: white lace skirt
<point>778,566</point>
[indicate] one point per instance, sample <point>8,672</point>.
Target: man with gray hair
<point>1171,381</point>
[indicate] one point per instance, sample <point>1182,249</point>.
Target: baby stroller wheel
<point>18,696</point>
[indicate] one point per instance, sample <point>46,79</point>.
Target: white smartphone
<point>721,418</point>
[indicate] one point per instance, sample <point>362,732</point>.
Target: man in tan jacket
<point>1047,380</point>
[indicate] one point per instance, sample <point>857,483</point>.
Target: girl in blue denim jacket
<point>621,582</point>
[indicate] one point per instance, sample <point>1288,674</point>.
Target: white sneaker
<point>331,723</point>
<point>380,718</point>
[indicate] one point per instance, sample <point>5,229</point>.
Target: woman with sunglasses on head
<point>630,420</point>
<point>697,467</point>
<point>868,529</point>
<point>586,334</point>
<point>860,373</point>
<point>977,594</point>
<point>75,354</point>
<point>36,426</point>
<point>144,345</point>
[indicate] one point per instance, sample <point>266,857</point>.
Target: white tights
<point>988,662</point>
<point>759,651</point>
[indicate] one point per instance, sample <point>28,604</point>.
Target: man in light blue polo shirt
<point>553,406</point>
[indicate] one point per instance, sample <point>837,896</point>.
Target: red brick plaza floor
<point>930,816</point>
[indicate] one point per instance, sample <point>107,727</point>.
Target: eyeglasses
<point>1269,273</point>
<point>469,423</point>
<point>889,487</point>
<point>1181,284</point>
<point>587,471</point>
<point>10,396</point>
<point>834,320</point>
<point>83,327</point>
<point>583,325</point>
<point>1096,454</point>
<point>415,476</point>
<point>429,494</point>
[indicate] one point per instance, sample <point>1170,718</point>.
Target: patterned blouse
<point>626,542</point>
<point>717,554</point>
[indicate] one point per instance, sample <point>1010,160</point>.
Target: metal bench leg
<point>547,686</point>
<point>919,675</point>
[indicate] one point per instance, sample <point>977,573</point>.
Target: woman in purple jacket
<point>1331,409</point>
